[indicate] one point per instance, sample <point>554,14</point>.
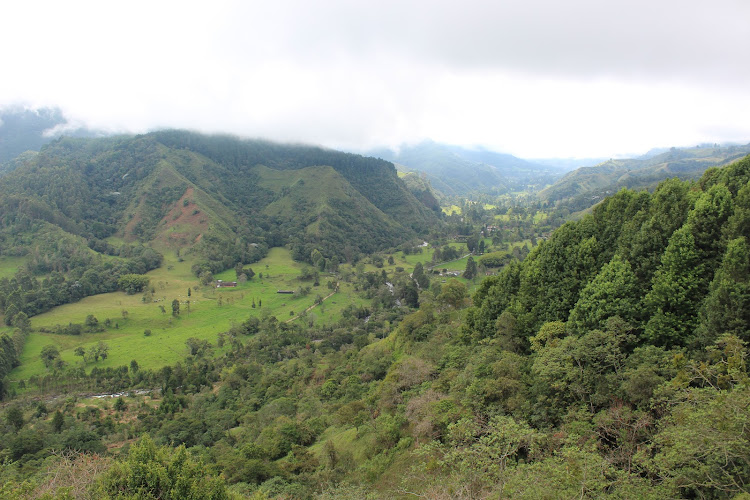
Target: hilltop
<point>587,185</point>
<point>458,171</point>
<point>195,193</point>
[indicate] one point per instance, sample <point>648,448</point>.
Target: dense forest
<point>227,199</point>
<point>610,361</point>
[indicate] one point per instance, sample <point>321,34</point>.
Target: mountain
<point>593,183</point>
<point>222,198</point>
<point>610,363</point>
<point>421,188</point>
<point>457,171</point>
<point>23,130</point>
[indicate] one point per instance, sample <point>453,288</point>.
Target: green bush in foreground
<point>160,472</point>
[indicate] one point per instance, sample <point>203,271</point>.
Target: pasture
<point>204,314</point>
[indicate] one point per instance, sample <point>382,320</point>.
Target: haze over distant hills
<point>459,171</point>
<point>442,170</point>
<point>24,130</point>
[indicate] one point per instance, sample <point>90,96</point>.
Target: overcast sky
<point>535,78</point>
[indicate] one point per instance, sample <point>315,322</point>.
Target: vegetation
<point>603,356</point>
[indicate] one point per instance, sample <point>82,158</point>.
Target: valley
<point>271,321</point>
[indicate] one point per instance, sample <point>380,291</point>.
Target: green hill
<point>456,171</point>
<point>100,208</point>
<point>185,190</point>
<point>610,362</point>
<point>591,184</point>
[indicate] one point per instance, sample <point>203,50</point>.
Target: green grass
<point>453,209</point>
<point>211,311</point>
<point>540,217</point>
<point>9,265</point>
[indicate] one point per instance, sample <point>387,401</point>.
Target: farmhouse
<point>225,284</point>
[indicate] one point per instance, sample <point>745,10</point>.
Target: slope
<point>206,194</point>
<point>456,171</point>
<point>643,172</point>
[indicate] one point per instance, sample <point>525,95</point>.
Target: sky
<point>534,78</point>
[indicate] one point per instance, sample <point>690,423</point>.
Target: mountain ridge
<point>131,186</point>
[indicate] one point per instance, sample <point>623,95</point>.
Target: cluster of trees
<point>610,361</point>
<point>23,295</point>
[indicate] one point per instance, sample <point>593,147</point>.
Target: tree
<point>419,276</point>
<point>132,283</point>
<point>14,417</point>
<point>472,243</point>
<point>101,350</point>
<point>22,322</point>
<point>160,472</point>
<point>702,450</point>
<point>410,293</point>
<point>11,311</point>
<point>453,294</point>
<point>198,347</point>
<point>175,308</point>
<point>49,355</point>
<point>726,309</point>
<point>613,292</point>
<point>119,404</point>
<point>673,300</point>
<point>58,421</point>
<point>471,269</point>
<point>582,370</point>
<point>317,259</point>
<point>92,323</point>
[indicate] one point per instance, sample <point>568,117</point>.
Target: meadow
<point>9,265</point>
<point>204,314</point>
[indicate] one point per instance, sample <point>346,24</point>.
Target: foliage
<point>132,283</point>
<point>160,472</point>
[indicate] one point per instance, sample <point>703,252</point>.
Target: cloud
<point>530,77</point>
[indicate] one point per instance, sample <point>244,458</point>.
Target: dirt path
<point>314,305</point>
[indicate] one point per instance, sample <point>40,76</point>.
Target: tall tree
<point>673,300</point>
<point>471,269</point>
<point>726,309</point>
<point>419,276</point>
<point>613,292</point>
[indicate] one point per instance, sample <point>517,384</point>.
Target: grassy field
<point>453,209</point>
<point>210,312</point>
<point>207,312</point>
<point>9,265</point>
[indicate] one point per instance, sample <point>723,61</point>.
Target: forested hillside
<point>218,197</point>
<point>456,171</point>
<point>81,214</point>
<point>25,130</point>
<point>611,361</point>
<point>586,186</point>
